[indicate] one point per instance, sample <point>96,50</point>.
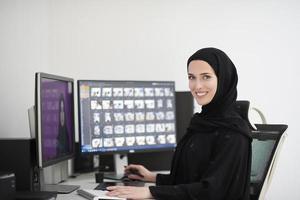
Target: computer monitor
<point>120,117</point>
<point>55,135</point>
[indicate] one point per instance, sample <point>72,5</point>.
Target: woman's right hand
<point>139,172</point>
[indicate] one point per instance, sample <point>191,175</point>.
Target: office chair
<point>266,144</point>
<point>243,108</point>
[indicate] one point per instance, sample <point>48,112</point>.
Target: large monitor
<point>55,135</point>
<point>119,117</point>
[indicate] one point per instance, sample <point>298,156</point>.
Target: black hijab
<point>221,112</point>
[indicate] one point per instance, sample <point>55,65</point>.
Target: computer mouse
<point>125,178</point>
<point>135,172</point>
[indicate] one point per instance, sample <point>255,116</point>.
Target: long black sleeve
<point>224,177</point>
<point>163,179</point>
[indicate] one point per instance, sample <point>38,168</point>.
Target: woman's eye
<point>206,77</point>
<point>191,77</point>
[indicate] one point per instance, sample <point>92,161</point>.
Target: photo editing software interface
<point>126,116</point>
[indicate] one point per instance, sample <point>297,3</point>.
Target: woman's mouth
<point>200,94</point>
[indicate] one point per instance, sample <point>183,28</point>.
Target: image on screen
<point>128,116</point>
<point>56,135</point>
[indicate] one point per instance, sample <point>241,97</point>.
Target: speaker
<point>82,162</point>
<point>7,186</point>
<point>19,157</point>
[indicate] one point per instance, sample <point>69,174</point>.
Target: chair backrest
<point>267,141</point>
<point>242,107</point>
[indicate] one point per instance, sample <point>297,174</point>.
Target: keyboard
<point>104,185</point>
<point>96,194</point>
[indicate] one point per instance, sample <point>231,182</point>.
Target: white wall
<point>152,39</point>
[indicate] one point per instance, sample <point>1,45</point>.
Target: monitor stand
<point>120,161</point>
<point>52,176</point>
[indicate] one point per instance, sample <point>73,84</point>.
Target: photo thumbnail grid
<point>130,116</point>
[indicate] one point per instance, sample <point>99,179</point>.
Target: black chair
<point>266,144</point>
<point>243,108</point>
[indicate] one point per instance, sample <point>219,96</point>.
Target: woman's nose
<point>199,84</point>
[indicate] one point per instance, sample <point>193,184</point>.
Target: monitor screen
<point>55,118</point>
<point>126,116</point>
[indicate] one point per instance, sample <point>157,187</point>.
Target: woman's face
<point>203,81</point>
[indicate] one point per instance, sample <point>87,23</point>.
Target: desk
<point>85,181</point>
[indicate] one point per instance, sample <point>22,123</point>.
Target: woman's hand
<point>139,172</point>
<point>129,192</point>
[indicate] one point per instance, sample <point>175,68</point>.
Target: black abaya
<point>213,160</point>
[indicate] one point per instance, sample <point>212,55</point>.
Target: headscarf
<point>221,112</point>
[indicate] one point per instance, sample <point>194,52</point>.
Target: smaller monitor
<point>55,132</point>
<point>55,118</point>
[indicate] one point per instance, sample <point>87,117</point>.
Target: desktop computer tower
<point>18,156</point>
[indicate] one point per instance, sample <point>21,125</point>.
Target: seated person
<point>213,159</point>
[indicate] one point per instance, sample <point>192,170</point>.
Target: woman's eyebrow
<point>204,73</point>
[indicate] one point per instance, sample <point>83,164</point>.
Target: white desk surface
<point>85,181</point>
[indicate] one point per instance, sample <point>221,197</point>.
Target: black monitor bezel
<point>121,151</point>
<point>38,128</point>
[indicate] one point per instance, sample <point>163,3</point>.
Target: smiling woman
<point>213,159</point>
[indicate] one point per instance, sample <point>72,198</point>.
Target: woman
<point>63,134</point>
<point>213,159</point>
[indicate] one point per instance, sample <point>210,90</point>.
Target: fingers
<point>119,191</point>
<point>134,170</point>
<point>133,167</point>
<point>111,188</point>
<point>129,192</point>
<point>139,172</point>
<point>135,177</point>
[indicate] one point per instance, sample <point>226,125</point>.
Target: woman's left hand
<point>129,192</point>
